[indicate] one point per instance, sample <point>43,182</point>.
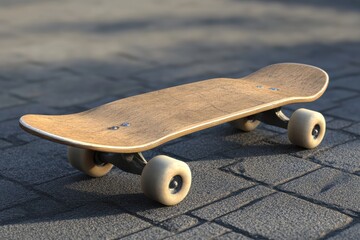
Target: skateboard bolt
<point>274,89</point>
<point>175,184</point>
<point>259,86</point>
<point>113,128</point>
<point>125,124</point>
<point>316,131</point>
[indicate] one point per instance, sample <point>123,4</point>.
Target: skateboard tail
<point>48,135</point>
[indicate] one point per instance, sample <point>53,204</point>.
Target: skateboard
<point>116,133</point>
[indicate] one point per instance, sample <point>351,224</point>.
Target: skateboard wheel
<point>306,128</point>
<point>84,160</point>
<point>166,180</point>
<point>245,124</point>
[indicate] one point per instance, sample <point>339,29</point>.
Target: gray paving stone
<point>350,233</point>
<point>262,149</point>
<point>338,124</point>
<point>354,129</point>
<point>12,214</point>
<point>348,109</point>
<point>70,91</point>
<point>25,137</point>
<point>337,95</point>
<point>199,147</point>
<point>98,102</point>
<point>350,48</point>
<point>203,231</point>
<point>245,139</point>
<point>281,216</point>
<point>345,156</point>
<point>232,67</point>
<point>323,55</point>
<point>179,223</point>
<point>17,111</point>
<point>232,236</point>
<point>12,194</point>
<point>219,140</point>
<point>202,144</point>
<point>174,75</point>
<point>29,91</point>
<point>89,222</point>
<point>232,203</point>
<point>150,233</point>
<point>8,83</point>
<point>79,189</point>
<point>350,82</point>
<point>36,162</point>
<point>114,68</point>
<point>25,72</point>
<point>329,186</point>
<point>345,73</point>
<point>4,144</point>
<point>273,169</point>
<point>7,100</point>
<point>10,128</point>
<point>44,205</point>
<point>331,139</point>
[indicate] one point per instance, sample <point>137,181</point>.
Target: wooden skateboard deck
<point>145,121</point>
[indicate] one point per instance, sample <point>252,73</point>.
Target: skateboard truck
<point>273,117</point>
<point>277,118</point>
<point>128,162</point>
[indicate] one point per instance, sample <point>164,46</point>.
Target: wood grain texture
<point>158,117</point>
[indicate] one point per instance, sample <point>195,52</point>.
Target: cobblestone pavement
<point>66,56</point>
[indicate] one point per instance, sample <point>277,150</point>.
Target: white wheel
<point>245,124</point>
<point>166,180</point>
<point>84,160</point>
<point>306,128</point>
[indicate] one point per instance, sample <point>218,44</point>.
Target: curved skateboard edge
<point>283,69</point>
<point>74,143</point>
<point>92,146</point>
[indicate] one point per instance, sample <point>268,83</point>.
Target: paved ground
<point>67,56</point>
